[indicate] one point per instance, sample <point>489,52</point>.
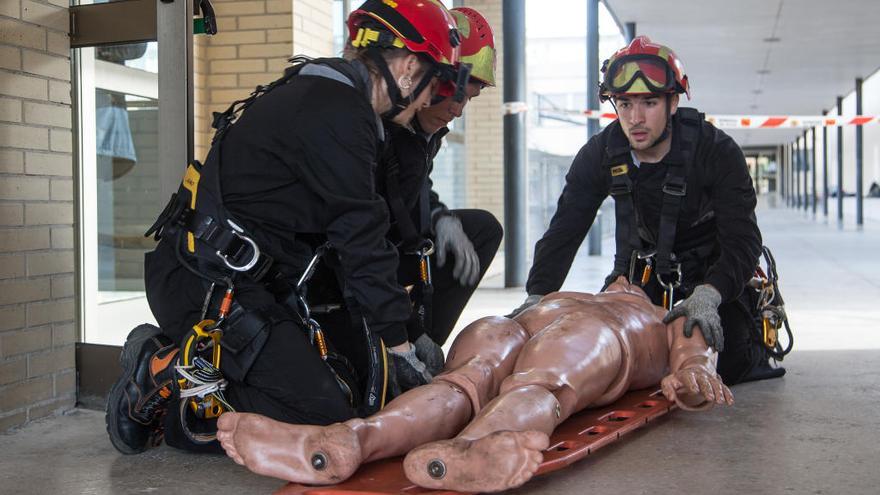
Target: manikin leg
<point>568,365</point>
<point>481,357</point>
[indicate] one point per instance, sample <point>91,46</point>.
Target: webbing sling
<point>674,191</point>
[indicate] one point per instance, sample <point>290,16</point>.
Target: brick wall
<point>255,40</point>
<point>484,129</point>
<point>37,331</point>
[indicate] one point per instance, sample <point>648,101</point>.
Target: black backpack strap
<point>626,233</point>
<point>675,189</point>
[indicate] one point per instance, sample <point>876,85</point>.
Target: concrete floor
<point>815,431</point>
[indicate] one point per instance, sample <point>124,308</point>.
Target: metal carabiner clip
<point>669,293</point>
<point>239,232</point>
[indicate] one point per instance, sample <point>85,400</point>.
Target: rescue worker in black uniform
<point>289,171</point>
<point>685,209</point>
<point>465,240</point>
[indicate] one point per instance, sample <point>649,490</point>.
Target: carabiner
<point>239,232</point>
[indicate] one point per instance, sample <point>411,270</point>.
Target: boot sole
<point>128,361</point>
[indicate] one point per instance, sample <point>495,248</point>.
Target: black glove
<point>528,303</point>
<point>430,353</point>
<point>611,278</point>
<point>701,308</point>
<point>408,371</point>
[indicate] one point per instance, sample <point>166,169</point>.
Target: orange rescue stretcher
<point>576,438</point>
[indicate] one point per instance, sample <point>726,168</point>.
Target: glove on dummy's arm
<point>528,303</point>
<point>692,382</point>
<point>452,239</point>
<point>701,310</point>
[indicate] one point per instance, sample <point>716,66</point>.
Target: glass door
<point>119,181</point>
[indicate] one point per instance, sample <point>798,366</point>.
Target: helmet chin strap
<point>398,101</point>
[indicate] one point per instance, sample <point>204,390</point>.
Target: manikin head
<point>643,81</point>
<point>478,53</point>
<point>409,47</point>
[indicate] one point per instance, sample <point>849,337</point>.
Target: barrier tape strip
<point>752,121</point>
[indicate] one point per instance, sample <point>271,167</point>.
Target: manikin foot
<point>318,455</point>
<point>499,461</point>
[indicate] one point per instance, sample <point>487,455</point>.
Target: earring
<point>405,82</point>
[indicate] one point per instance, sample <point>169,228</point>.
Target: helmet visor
<point>639,74</point>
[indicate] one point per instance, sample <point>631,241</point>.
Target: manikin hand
<point>695,387</point>
<point>451,237</point>
<point>701,310</point>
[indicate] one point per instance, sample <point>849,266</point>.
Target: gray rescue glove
<point>701,309</point>
<point>409,371</point>
<point>451,238</point>
<point>430,353</point>
<point>528,303</point>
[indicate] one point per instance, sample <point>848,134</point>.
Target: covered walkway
<point>814,431</point>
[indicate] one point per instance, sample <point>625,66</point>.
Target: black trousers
<point>743,350</point>
<point>288,380</point>
<point>450,297</point>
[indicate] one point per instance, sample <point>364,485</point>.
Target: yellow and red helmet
<point>477,44</point>
<point>420,26</point>
<point>641,68</point>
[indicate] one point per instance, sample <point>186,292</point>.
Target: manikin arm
<point>692,382</point>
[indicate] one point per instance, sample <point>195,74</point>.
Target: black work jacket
<point>718,210</point>
<point>299,167</point>
<point>415,152</point>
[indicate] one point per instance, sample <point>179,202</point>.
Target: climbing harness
<point>771,307</point>
<point>214,246</point>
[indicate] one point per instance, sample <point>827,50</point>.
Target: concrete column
<point>515,154</point>
<point>806,163</point>
<point>814,195</point>
<point>860,156</point>
<point>798,164</point>
<point>825,169</point>
<point>629,31</point>
<point>840,162</point>
<point>594,237</point>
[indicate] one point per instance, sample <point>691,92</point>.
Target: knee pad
<point>482,356</point>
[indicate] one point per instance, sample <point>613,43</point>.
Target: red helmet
<point>477,44</point>
<point>420,26</point>
<point>643,67</point>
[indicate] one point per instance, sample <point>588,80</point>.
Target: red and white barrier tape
<point>753,121</point>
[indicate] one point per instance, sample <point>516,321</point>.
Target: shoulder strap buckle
<point>675,186</point>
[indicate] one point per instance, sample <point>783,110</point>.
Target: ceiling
<point>764,57</point>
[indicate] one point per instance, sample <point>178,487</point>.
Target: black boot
<point>140,396</point>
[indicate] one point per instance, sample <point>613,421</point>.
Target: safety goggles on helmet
<point>638,74</point>
<point>453,83</point>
